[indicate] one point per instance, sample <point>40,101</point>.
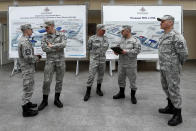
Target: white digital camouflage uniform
<point>173,53</point>
<point>27,61</point>
<point>128,62</point>
<point>54,60</point>
<point>97,47</point>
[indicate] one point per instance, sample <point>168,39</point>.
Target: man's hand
<point>115,53</point>
<point>124,52</point>
<point>49,44</point>
<point>39,56</point>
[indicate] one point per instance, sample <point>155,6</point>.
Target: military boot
<point>44,103</point>
<point>28,112</point>
<point>120,94</point>
<point>98,91</point>
<point>57,101</point>
<point>31,105</point>
<point>133,98</point>
<point>169,109</point>
<point>88,93</point>
<point>176,119</point>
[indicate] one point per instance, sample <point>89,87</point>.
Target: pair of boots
<point>170,109</point>
<point>28,111</point>
<point>44,102</point>
<point>121,94</point>
<point>88,92</point>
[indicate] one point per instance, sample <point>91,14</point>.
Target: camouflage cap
<point>100,27</point>
<point>126,27</point>
<point>166,17</point>
<point>48,23</point>
<point>25,26</point>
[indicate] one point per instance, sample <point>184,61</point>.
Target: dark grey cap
<point>48,23</point>
<point>25,26</point>
<point>126,27</point>
<point>100,27</point>
<point>166,17</point>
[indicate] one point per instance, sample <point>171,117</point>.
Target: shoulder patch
<point>180,44</point>
<point>28,52</point>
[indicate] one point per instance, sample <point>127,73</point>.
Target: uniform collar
<point>99,36</point>
<point>57,33</point>
<point>127,38</point>
<point>169,33</point>
<point>26,37</point>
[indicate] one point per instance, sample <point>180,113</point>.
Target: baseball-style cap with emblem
<point>126,27</point>
<point>166,17</point>
<point>100,27</point>
<point>48,23</point>
<point>25,26</point>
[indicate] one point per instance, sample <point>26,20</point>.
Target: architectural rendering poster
<point>143,20</point>
<point>70,19</point>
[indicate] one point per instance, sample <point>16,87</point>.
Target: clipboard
<point>117,50</point>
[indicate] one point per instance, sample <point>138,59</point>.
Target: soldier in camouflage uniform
<point>53,43</point>
<point>128,63</point>
<point>172,55</point>
<point>27,59</point>
<point>97,46</point>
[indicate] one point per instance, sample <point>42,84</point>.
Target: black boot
<point>57,101</point>
<point>44,103</point>
<point>98,91</point>
<point>88,93</point>
<point>120,94</point>
<point>31,105</point>
<point>169,109</point>
<point>133,98</point>
<point>176,119</point>
<point>28,112</point>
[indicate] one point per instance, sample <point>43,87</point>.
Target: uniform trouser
<point>131,73</point>
<point>170,81</point>
<point>28,84</point>
<point>50,68</point>
<point>94,68</point>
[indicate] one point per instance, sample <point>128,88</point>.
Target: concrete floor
<point>99,113</point>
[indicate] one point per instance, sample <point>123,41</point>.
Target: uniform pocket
<point>166,48</point>
<point>58,40</point>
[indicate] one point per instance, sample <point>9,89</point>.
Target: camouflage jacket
<point>26,52</point>
<point>58,41</point>
<point>133,47</point>
<point>173,51</point>
<point>97,47</point>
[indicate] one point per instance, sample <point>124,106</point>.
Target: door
<point>4,46</point>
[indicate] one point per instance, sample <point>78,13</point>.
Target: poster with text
<point>145,27</point>
<point>70,19</point>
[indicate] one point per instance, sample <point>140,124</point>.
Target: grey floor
<point>99,113</point>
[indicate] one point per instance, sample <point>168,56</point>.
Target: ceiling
<point>95,13</point>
